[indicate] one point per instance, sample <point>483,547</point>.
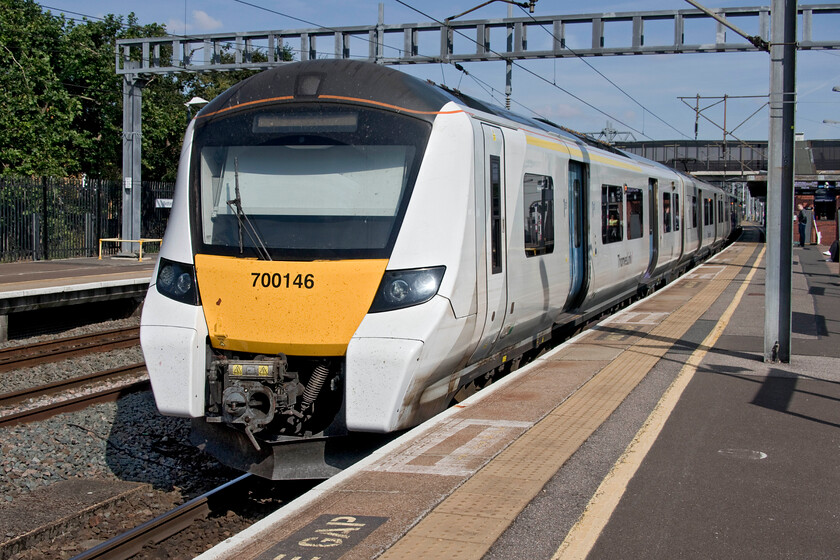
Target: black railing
<point>46,218</point>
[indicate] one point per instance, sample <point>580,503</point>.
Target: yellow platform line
<point>467,523</point>
<point>585,532</point>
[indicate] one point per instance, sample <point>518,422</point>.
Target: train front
<point>291,192</point>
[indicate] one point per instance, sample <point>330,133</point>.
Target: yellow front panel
<point>298,308</point>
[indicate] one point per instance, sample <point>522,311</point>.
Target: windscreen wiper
<point>243,219</point>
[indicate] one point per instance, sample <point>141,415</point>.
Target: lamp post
<point>829,121</point>
<point>194,101</point>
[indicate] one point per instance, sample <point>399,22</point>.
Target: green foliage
<point>210,84</point>
<point>36,111</point>
<point>61,99</point>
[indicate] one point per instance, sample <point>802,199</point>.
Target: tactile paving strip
<point>470,520</point>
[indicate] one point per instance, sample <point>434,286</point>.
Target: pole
<point>46,223</point>
<point>697,116</point>
<point>508,62</point>
<point>777,297</point>
<point>132,153</point>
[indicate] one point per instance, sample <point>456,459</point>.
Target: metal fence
<point>47,218</point>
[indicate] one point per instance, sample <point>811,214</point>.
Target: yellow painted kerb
<point>298,308</point>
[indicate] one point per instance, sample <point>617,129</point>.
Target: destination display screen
<point>306,122</point>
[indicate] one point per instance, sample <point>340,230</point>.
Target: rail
<point>17,397</point>
<point>160,528</point>
<point>61,349</point>
<point>103,395</point>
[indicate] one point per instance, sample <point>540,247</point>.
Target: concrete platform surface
<point>45,275</point>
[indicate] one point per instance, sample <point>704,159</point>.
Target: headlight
<point>404,288</point>
<point>177,281</point>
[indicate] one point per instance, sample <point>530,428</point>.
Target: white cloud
<point>201,22</point>
<point>175,26</point>
<point>204,22</point>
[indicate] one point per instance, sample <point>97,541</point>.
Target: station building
<point>741,168</point>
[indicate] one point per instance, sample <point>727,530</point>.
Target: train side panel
<point>536,227</point>
<point>395,355</point>
<point>173,334</point>
<point>617,233</point>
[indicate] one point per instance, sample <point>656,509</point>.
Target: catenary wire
<point>615,85</point>
<point>521,67</point>
<point>327,28</point>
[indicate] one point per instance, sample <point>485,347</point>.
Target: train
<point>351,249</point>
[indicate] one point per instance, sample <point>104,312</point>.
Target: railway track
<point>128,544</point>
<point>108,393</point>
<point>61,349</point>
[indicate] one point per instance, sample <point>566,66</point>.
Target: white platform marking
<point>461,461</point>
<point>706,272</point>
<point>639,318</point>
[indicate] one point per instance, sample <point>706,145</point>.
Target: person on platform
<point>802,220</point>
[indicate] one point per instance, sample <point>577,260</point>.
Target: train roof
<point>340,80</point>
<point>347,80</point>
<point>333,80</point>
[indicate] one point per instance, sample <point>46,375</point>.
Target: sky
<point>639,95</point>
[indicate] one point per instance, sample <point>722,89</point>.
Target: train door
<point>678,202</point>
<point>494,234</point>
<point>699,211</point>
<point>577,227</point>
<point>653,225</point>
<point>715,217</point>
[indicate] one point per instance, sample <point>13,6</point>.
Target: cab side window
<point>612,214</point>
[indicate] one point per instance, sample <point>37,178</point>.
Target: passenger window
<point>666,212</point>
<point>720,211</point>
<point>694,212</point>
<point>676,212</point>
<point>708,209</point>
<point>635,213</point>
<point>538,197</point>
<point>612,214</point>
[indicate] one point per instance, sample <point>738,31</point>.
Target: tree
<point>208,85</point>
<point>36,111</point>
<point>61,99</point>
<point>89,72</point>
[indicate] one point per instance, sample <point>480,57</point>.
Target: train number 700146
<point>277,280</point>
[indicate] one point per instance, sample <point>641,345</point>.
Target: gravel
<point>128,440</point>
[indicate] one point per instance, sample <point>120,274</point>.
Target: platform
<point>33,285</point>
<point>660,433</point>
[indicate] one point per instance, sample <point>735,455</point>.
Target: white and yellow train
<point>349,248</point>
